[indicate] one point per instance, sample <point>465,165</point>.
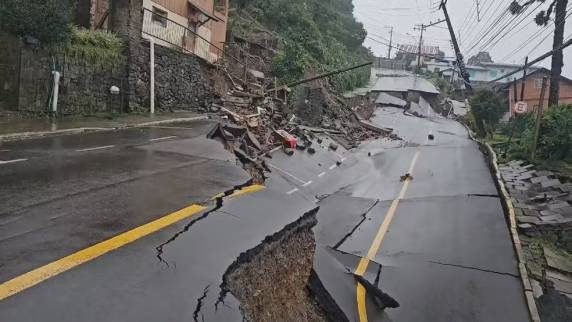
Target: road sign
<point>520,107</point>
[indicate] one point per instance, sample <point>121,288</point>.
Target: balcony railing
<point>170,33</point>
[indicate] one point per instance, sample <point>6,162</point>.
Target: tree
<point>541,19</point>
<point>49,21</point>
<point>487,108</point>
<point>481,57</point>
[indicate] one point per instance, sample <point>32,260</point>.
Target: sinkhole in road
<point>271,280</point>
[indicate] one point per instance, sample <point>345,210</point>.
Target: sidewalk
<point>16,129</point>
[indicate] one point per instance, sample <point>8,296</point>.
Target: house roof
<point>541,70</point>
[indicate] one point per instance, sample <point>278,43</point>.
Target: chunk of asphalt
<point>333,146</point>
<point>311,150</point>
<point>431,137</point>
<point>383,300</point>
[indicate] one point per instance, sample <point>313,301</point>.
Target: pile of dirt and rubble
<point>257,115</point>
<point>270,281</point>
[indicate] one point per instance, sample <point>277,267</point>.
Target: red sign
<point>520,107</point>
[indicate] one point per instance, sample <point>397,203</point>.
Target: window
<point>493,73</point>
<point>538,83</point>
<point>437,69</point>
<point>159,17</point>
<point>220,6</point>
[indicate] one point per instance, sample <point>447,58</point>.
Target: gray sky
<point>512,44</point>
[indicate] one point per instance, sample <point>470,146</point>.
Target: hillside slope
<point>312,36</point>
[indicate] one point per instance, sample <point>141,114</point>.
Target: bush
<point>487,108</point>
<point>95,48</point>
<point>49,21</point>
<point>555,138</point>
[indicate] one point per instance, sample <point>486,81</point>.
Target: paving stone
<point>536,288</point>
<point>559,285</point>
<point>557,261</point>
<point>550,183</point>
<point>539,179</point>
<point>544,213</point>
<point>528,220</point>
<point>524,176</point>
<point>531,212</point>
<point>566,211</point>
<point>525,226</point>
<point>552,218</point>
<point>544,173</point>
<point>558,205</point>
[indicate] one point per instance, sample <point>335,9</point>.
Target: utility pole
<point>422,28</point>
<point>538,119</point>
<point>557,58</point>
<point>516,116</point>
<point>523,79</point>
<point>458,54</point>
<point>390,42</point>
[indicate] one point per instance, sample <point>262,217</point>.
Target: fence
<point>169,33</point>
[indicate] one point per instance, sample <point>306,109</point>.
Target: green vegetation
<point>554,149</point>
<point>314,36</point>
<point>98,49</point>
<point>49,21</point>
<point>486,110</point>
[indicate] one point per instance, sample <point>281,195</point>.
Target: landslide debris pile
<point>272,43</point>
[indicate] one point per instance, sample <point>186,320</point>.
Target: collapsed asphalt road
<point>437,243</point>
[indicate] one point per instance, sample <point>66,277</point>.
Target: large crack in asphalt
<point>200,304</point>
<point>364,217</point>
<point>271,280</point>
<point>475,268</point>
<point>219,202</point>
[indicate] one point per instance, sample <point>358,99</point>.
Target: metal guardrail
<point>171,33</point>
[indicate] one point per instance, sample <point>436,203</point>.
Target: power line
<point>491,44</point>
<point>537,60</point>
<point>471,31</point>
<point>535,35</point>
<point>487,30</point>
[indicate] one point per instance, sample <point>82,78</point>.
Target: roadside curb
<point>491,157</point>
<point>41,134</point>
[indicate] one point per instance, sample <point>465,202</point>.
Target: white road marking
<point>292,191</point>
<point>12,161</point>
<point>4,150</point>
<point>307,183</point>
<point>288,173</point>
<point>322,174</point>
<point>343,159</point>
<point>332,167</point>
<point>96,148</point>
<point>164,138</point>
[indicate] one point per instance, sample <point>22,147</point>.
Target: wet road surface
<point>446,254</point>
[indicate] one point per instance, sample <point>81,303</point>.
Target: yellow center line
<point>376,244</point>
<point>38,275</point>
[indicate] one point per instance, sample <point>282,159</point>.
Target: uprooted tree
<point>558,7</point>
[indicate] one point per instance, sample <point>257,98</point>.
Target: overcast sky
<point>517,36</point>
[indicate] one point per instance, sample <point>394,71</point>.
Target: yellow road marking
<point>38,275</point>
<point>376,244</point>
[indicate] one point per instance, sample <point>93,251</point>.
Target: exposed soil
<point>270,280</point>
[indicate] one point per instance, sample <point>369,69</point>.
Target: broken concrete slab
<point>539,179</point>
<point>550,183</point>
<point>389,100</point>
<point>536,288</point>
<point>559,282</point>
<point>557,261</point>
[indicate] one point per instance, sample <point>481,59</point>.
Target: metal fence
<point>169,33</point>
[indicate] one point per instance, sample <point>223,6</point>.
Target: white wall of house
<point>166,35</point>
